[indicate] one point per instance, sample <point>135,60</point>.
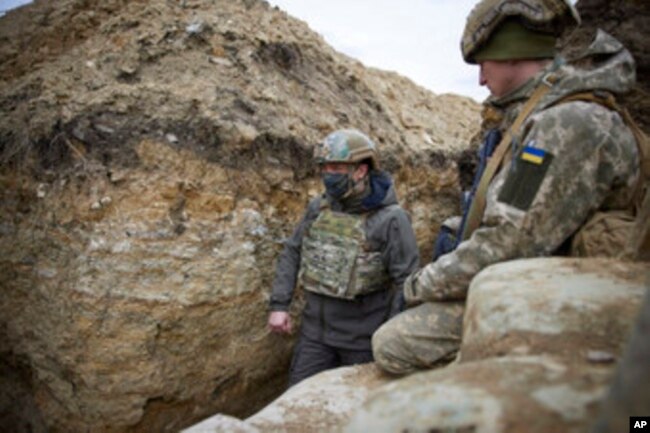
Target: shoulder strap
<point>477,208</point>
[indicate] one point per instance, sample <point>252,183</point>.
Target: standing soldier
<point>564,177</point>
<point>351,252</point>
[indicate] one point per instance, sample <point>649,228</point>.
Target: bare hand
<point>280,322</point>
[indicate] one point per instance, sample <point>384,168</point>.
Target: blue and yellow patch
<point>525,177</point>
<point>533,155</point>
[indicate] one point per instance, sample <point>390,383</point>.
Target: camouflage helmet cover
<point>347,146</point>
<point>544,16</point>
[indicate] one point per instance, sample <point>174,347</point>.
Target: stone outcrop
<point>322,403</point>
<point>154,154</point>
<point>541,338</point>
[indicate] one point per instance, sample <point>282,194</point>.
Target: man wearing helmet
<point>565,157</point>
<point>351,252</point>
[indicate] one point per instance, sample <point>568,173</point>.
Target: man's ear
<point>360,172</point>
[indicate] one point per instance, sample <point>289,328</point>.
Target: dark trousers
<point>311,357</point>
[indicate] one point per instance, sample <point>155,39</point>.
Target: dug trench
<point>154,155</point>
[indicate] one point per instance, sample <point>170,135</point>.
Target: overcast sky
<point>419,39</point>
<point>5,5</point>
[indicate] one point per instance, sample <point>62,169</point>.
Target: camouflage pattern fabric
<point>347,146</point>
<point>334,260</point>
<point>594,166</point>
<point>388,232</point>
<point>589,162</point>
<point>422,337</point>
<point>544,16</point>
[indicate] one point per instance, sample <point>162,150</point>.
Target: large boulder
<point>540,339</point>
<point>557,306</point>
<point>507,394</point>
<point>154,155</point>
<point>321,403</point>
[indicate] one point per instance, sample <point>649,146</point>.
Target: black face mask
<point>337,184</point>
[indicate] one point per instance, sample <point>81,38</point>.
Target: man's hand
<point>411,298</point>
<point>280,322</point>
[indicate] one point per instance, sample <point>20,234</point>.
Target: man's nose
<point>481,77</point>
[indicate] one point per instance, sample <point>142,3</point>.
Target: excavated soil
<point>153,155</point>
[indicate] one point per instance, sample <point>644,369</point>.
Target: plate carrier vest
<point>335,260</point>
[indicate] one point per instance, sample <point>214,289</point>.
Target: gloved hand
<point>280,322</point>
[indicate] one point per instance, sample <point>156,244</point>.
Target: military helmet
<point>347,146</point>
<point>543,16</point>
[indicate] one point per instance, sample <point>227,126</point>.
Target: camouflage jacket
<point>585,158</point>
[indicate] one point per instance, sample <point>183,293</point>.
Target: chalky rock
<point>510,394</point>
<point>528,359</point>
<point>153,158</point>
<point>559,306</point>
<point>321,403</point>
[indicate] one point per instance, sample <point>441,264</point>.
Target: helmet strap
<point>357,187</point>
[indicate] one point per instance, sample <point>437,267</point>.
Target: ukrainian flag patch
<point>533,155</point>
<point>525,177</point>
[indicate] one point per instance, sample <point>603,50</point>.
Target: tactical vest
<point>335,260</point>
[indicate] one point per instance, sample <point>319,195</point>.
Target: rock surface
<point>322,403</point>
<point>563,307</point>
<point>154,154</point>
<point>541,340</point>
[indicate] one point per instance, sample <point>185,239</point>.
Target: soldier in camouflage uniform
<point>563,162</point>
<point>351,253</point>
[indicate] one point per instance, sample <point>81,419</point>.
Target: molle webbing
<point>335,261</point>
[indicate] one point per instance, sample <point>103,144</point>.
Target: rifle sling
<point>477,208</point>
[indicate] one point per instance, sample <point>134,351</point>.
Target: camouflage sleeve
<point>586,152</point>
<point>288,264</point>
